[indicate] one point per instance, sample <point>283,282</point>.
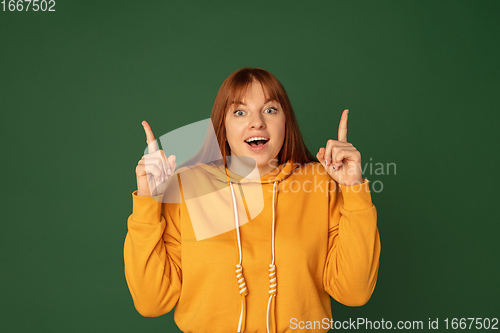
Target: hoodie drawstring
<point>239,269</point>
<point>271,305</point>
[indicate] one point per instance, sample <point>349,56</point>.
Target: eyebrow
<point>241,103</point>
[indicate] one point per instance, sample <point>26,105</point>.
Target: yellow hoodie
<point>267,256</point>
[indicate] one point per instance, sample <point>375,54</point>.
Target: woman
<point>269,211</point>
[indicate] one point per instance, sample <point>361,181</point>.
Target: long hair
<point>232,90</point>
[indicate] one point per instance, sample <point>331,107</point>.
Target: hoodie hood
<point>223,174</point>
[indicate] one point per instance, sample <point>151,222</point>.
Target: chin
<point>261,160</point>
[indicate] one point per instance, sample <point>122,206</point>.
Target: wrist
<point>143,194</point>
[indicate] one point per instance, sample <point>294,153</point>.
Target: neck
<point>246,167</point>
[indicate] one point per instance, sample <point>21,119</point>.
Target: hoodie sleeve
<point>352,261</point>
<point>152,254</point>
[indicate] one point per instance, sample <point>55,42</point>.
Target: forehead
<point>242,94</point>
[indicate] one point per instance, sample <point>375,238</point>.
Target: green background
<point>421,81</point>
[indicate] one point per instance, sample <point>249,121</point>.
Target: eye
<point>239,113</point>
<point>271,110</point>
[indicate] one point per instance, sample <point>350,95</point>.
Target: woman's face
<point>256,117</point>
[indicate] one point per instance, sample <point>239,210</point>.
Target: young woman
<point>260,239</point>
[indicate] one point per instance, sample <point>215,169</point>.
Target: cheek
<point>280,130</point>
<point>231,133</point>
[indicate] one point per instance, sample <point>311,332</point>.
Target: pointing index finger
<point>150,138</point>
<point>343,126</point>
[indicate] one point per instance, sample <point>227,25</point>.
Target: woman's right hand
<point>154,169</point>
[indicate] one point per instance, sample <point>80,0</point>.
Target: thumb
<point>172,162</point>
<point>321,155</point>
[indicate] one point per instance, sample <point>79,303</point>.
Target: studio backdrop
<point>77,78</point>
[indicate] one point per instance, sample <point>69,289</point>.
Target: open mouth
<point>256,142</point>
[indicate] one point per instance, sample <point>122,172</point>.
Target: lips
<point>257,145</point>
<point>257,142</point>
<point>257,148</point>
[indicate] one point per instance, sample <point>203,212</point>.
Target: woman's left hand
<point>341,159</point>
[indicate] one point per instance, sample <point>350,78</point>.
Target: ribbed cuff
<point>357,197</point>
<point>146,209</point>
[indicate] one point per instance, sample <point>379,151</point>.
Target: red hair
<point>232,90</point>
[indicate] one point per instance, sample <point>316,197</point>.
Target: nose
<point>257,121</point>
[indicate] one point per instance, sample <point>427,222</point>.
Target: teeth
<point>255,139</point>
